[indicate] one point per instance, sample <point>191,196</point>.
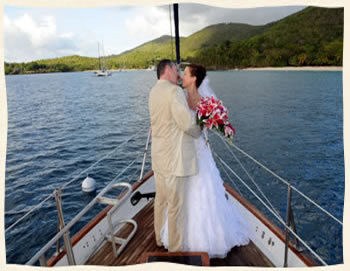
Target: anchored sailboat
<point>102,66</point>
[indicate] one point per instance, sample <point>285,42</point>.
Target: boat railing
<point>145,154</point>
<point>40,254</point>
<point>288,224</point>
<point>52,195</point>
<point>267,204</point>
<point>277,176</point>
<point>116,203</point>
<point>63,230</point>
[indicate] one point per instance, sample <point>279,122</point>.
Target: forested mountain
<point>310,37</point>
<point>208,37</point>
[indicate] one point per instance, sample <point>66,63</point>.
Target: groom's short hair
<point>162,65</point>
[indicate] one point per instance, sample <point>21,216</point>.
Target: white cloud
<point>47,33</point>
<point>40,32</point>
<point>149,23</point>
<point>152,22</point>
<point>197,22</point>
<point>28,38</point>
<point>194,17</point>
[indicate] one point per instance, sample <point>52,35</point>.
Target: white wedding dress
<point>211,223</point>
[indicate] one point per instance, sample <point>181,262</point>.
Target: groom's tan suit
<point>173,157</point>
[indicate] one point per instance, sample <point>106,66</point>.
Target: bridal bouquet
<point>211,113</point>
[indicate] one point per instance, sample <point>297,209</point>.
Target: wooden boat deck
<point>144,241</point>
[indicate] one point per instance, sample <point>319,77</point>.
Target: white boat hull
<point>103,73</point>
<point>266,240</point>
<point>270,243</point>
<point>95,238</point>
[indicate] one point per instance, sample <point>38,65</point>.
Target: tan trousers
<point>169,194</point>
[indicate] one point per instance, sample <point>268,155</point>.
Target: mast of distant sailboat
<point>102,70</point>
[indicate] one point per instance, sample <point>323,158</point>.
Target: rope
<point>250,177</point>
<point>280,219</point>
<point>30,211</point>
<point>228,175</point>
<point>287,183</point>
<point>75,219</point>
<point>94,164</point>
<point>133,175</point>
<point>52,194</point>
<point>171,34</point>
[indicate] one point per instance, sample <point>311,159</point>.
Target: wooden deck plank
<point>144,241</point>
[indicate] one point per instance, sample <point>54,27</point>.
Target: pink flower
<point>210,123</point>
<point>212,113</point>
<point>202,112</point>
<point>228,131</point>
<point>217,117</point>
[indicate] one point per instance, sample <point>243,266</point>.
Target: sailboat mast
<point>177,37</point>
<point>104,60</point>
<point>99,59</point>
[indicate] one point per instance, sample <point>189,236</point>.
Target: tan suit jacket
<point>173,131</point>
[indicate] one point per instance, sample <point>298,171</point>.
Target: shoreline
<point>306,68</point>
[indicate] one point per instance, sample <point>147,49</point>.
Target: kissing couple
<point>191,212</point>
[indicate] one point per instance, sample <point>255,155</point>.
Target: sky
<point>33,33</point>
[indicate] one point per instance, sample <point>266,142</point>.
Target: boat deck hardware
<point>138,196</point>
<point>115,226</point>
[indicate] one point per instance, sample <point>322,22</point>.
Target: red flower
<point>211,112</point>
<point>229,130</point>
<point>210,123</point>
<point>202,112</point>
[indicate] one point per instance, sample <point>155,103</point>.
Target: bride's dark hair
<point>199,71</point>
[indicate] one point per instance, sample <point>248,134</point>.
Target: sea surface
<point>60,124</point>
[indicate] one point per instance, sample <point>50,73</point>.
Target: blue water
<point>60,124</point>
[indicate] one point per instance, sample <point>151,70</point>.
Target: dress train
<point>211,223</point>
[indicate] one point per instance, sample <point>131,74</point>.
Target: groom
<point>173,152</point>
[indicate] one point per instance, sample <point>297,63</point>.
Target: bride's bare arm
<point>193,100</point>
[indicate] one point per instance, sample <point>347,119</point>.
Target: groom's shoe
<point>159,245</point>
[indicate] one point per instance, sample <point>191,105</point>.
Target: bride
<point>211,223</point>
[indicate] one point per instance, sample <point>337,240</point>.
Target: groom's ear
<point>167,69</point>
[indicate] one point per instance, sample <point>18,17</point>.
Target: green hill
<point>216,34</point>
<point>147,54</point>
<point>61,64</point>
<point>312,36</point>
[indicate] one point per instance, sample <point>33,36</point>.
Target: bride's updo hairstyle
<point>199,72</point>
